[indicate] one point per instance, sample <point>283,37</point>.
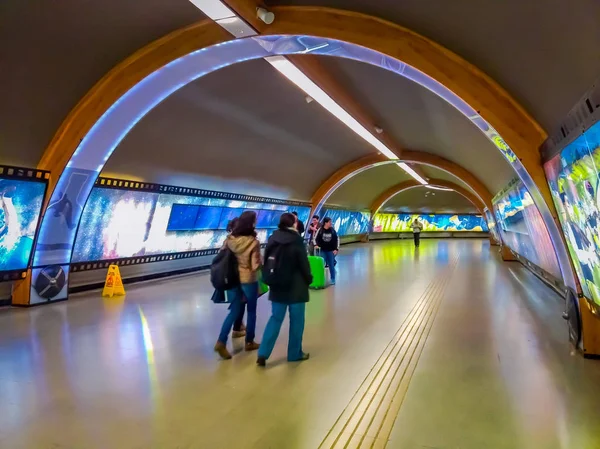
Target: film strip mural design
<point>22,194</point>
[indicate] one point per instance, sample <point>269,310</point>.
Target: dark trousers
<point>417,237</point>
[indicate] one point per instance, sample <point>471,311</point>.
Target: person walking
<point>299,224</point>
<point>287,273</point>
<point>311,233</point>
<point>246,247</point>
<point>239,330</point>
<point>329,242</point>
<point>417,227</point>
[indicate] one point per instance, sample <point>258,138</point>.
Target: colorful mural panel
<point>523,230</point>
<point>574,183</point>
<point>431,223</point>
<point>127,223</point>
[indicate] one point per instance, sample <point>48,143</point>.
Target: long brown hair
<point>245,224</point>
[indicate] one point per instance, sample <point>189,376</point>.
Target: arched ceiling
<point>544,52</point>
<point>245,128</point>
<point>360,191</point>
<point>52,53</point>
<point>426,201</point>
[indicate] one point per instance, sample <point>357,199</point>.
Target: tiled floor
<point>446,348</point>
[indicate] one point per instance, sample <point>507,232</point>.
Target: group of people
<point>289,279</point>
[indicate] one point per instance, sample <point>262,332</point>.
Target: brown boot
<point>251,346</point>
<point>221,349</point>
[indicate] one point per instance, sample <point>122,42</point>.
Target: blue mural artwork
<point>347,222</point>
<point>20,206</point>
<point>431,223</point>
<point>119,223</point>
<point>523,230</point>
<point>574,183</point>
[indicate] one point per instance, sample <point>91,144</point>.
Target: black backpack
<point>275,272</point>
<point>224,273</point>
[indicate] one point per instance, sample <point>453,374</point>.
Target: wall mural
<point>431,223</point>
<point>120,223</point>
<point>523,229</point>
<point>573,179</point>
<point>20,206</point>
<point>489,218</point>
<point>347,222</point>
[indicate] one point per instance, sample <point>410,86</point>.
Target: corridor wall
<point>574,182</point>
<point>431,223</point>
<point>348,222</point>
<point>122,223</point>
<point>522,229</point>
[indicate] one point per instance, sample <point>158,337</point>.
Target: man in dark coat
<point>287,272</point>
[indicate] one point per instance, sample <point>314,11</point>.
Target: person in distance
<point>239,330</point>
<point>313,229</point>
<point>417,227</point>
<point>287,272</point>
<point>244,244</point>
<point>327,239</point>
<point>300,225</point>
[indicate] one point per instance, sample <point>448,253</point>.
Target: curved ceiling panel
<point>360,192</point>
<point>546,61</point>
<point>420,120</point>
<point>56,51</point>
<point>242,129</point>
<point>426,201</point>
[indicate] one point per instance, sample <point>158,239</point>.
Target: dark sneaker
<point>251,346</point>
<point>261,361</point>
<point>221,349</point>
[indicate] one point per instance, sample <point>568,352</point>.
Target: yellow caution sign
<point>113,284</point>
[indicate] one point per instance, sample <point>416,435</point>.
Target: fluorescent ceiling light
<point>295,75</point>
<point>445,189</point>
<point>214,9</point>
<point>404,166</point>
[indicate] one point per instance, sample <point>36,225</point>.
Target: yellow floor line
<point>367,420</point>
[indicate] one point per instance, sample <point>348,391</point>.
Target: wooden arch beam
<point>78,150</point>
<point>522,133</point>
<point>348,171</point>
<point>388,194</point>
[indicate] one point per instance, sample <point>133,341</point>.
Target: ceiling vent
<point>585,113</point>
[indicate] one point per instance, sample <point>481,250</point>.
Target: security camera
<point>266,16</point>
<point>309,99</point>
<point>378,130</point>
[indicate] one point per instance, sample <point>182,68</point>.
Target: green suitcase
<point>317,269</point>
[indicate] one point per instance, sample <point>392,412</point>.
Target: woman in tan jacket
<point>244,244</point>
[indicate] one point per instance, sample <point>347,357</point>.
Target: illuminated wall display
<point>57,233</point>
<point>20,206</point>
<point>574,183</point>
<point>120,223</point>
<point>347,222</point>
<point>431,223</point>
<point>492,225</point>
<point>523,229</point>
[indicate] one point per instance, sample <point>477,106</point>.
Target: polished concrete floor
<point>445,347</point>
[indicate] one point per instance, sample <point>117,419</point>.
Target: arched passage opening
<point>105,115</point>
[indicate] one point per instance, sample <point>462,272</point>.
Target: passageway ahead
<point>446,347</point>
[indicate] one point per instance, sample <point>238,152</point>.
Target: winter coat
<point>294,260</point>
<point>247,250</point>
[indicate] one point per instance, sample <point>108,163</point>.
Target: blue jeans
<point>274,326</point>
<point>330,262</point>
<point>250,291</point>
